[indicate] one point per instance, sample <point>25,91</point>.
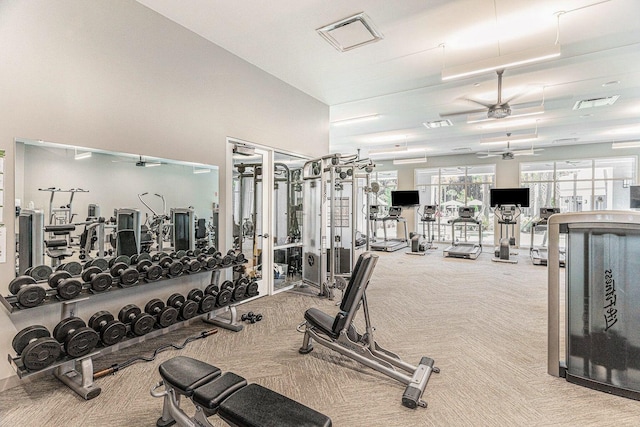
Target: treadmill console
<point>373,209</point>
<point>545,213</point>
<point>465,212</point>
<point>429,209</point>
<point>395,211</point>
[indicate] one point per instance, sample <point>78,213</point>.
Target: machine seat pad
<point>186,374</point>
<point>257,406</point>
<point>325,323</point>
<point>212,393</point>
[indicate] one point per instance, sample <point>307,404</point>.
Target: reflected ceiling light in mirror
<point>624,130</point>
<point>80,156</point>
<point>387,138</point>
<point>197,170</point>
<point>353,120</point>
<point>151,165</point>
<point>410,161</point>
<point>626,144</point>
<point>504,123</point>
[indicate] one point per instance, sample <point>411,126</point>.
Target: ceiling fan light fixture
<point>502,62</point>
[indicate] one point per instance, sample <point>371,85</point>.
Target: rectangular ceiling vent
<point>595,102</point>
<point>438,124</point>
<point>350,33</point>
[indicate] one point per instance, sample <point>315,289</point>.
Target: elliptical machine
<point>421,243</point>
<point>507,216</point>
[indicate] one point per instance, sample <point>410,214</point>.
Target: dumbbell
<point>164,315</point>
<point>39,272</point>
<point>127,276</point>
<point>29,294</point>
<point>36,348</point>
<point>207,261</point>
<point>136,258</point>
<point>190,265</point>
<point>73,267</point>
<point>68,287</point>
<point>100,281</point>
<point>173,266</point>
<point>222,296</point>
<point>251,317</point>
<point>118,259</point>
<point>141,323</point>
<point>156,256</point>
<point>240,289</point>
<point>229,258</point>
<point>101,263</point>
<point>150,270</point>
<point>76,337</point>
<point>252,287</point>
<point>206,303</point>
<point>186,308</point>
<point>111,331</point>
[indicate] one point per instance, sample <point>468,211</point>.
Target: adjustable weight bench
<point>228,396</point>
<point>339,333</point>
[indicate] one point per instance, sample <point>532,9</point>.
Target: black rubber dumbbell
<point>136,258</point>
<point>126,275</point>
<point>156,256</point>
<point>223,297</point>
<point>141,323</point>
<point>186,308</point>
<point>164,315</point>
<point>111,331</point>
<point>73,267</point>
<point>39,272</point>
<point>174,267</point>
<point>29,294</point>
<point>206,303</point>
<point>207,261</point>
<point>101,263</point>
<point>121,258</point>
<point>76,337</point>
<point>240,258</point>
<point>100,281</point>
<point>252,287</point>
<point>191,265</point>
<point>36,348</point>
<point>68,287</point>
<point>229,259</point>
<point>251,317</point>
<point>150,270</point>
<point>240,289</point>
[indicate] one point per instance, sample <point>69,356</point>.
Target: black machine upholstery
<point>210,395</point>
<point>185,374</point>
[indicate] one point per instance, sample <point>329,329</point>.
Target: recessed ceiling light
<point>355,120</point>
<point>595,102</point>
<point>611,83</point>
<point>350,33</point>
<point>438,124</point>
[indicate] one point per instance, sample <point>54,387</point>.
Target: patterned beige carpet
<point>484,323</point>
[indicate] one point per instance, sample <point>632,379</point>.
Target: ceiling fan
<point>500,110</point>
<point>140,162</point>
<point>508,154</point>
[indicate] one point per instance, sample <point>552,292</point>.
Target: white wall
<point>115,75</point>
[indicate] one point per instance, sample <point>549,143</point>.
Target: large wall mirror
<point>74,202</point>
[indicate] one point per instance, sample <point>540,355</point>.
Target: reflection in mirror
<point>81,204</point>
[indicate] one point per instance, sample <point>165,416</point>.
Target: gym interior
<point>197,240</point>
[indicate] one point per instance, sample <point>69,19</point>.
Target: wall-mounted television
<point>634,196</point>
<point>405,198</point>
<point>509,196</point>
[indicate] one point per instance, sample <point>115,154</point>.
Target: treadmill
<point>539,255</point>
<point>391,245</point>
<point>464,250</point>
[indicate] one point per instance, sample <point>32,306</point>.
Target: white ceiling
<point>399,77</point>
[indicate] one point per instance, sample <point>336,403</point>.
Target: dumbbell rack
<point>77,373</point>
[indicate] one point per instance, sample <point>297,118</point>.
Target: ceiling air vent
<point>350,33</point>
<point>595,102</point>
<point>438,124</point>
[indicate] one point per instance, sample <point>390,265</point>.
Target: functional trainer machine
<point>391,245</point>
<point>340,334</point>
<point>421,243</point>
<point>466,250</point>
<point>539,254</point>
<point>507,216</point>
<point>602,326</point>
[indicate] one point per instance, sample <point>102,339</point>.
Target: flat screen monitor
<point>509,196</point>
<point>634,194</point>
<point>405,198</point>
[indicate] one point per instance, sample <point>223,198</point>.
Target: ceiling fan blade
<point>463,113</point>
<point>483,103</point>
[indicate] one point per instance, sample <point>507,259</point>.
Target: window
<point>388,181</point>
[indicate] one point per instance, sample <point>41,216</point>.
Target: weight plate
<point>239,292</point>
<point>228,260</point>
<point>129,277</point>
<point>167,317</point>
<point>65,326</point>
<point>175,299</point>
<point>227,284</point>
<point>28,334</point>
<point>154,306</point>
<point>117,268</point>
<point>189,309</point>
<point>40,354</point>
<point>211,289</point>
<point>181,253</point>
<point>89,272</point>
<point>207,304</point>
<point>101,263</point>
<point>113,333</point>
<point>111,261</point>
<point>81,342</point>
<point>40,272</point>
<point>143,264</point>
<point>101,282</point>
<point>134,259</point>
<point>99,319</point>
<point>69,288</point>
<point>224,298</point>
<point>122,258</point>
<point>128,312</point>
<point>31,296</point>
<point>144,257</point>
<point>175,268</point>
<point>58,277</point>
<point>154,272</point>
<point>195,294</point>
<point>143,324</point>
<point>73,267</point>
<point>19,282</point>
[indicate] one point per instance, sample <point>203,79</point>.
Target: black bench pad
<point>186,374</point>
<point>325,323</point>
<point>211,394</point>
<point>256,406</point>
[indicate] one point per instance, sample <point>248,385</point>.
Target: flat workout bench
<point>229,396</point>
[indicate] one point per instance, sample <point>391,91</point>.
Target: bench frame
<point>171,411</point>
